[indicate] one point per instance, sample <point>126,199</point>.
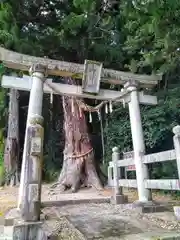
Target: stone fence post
<point>31,203</point>
<point>110,178</point>
<point>176,139</point>
<point>118,197</point>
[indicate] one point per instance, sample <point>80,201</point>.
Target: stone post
<point>110,179</point>
<point>30,207</point>
<point>176,139</point>
<point>118,197</point>
<point>38,73</point>
<point>138,142</point>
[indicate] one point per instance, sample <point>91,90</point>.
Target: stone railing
<point>114,173</point>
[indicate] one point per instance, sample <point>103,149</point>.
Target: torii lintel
<point>23,62</point>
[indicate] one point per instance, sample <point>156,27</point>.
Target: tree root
<point>76,179</point>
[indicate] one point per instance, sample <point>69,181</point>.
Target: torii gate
<point>91,73</point>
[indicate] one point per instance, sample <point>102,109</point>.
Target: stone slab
<point>111,222</point>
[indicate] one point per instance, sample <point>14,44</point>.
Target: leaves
<point>142,36</point>
<point>153,32</point>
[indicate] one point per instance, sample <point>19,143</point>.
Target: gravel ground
<point>58,225</point>
<point>94,213</point>
<point>101,221</point>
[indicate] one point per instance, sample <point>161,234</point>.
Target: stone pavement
<point>108,222</point>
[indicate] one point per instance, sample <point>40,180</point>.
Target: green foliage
<point>141,36</point>
<point>157,121</point>
<point>152,32</point>
<point>9,33</point>
<point>3,113</point>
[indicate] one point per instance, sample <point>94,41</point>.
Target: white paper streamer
<point>99,115</point>
<point>72,106</point>
<point>110,107</point>
<point>123,101</point>
<point>80,111</point>
<point>90,117</point>
<point>51,98</point>
<point>106,109</point>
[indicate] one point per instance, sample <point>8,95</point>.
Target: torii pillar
<point>30,183</point>
<point>138,142</point>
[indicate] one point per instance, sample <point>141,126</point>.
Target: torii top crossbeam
<point>23,62</point>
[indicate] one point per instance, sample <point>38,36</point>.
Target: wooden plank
<point>129,183</point>
<point>123,163</point>
<point>160,157</point>
<point>147,99</point>
<point>91,77</point>
<point>129,154</point>
<point>165,184</point>
<point>23,62</point>
<point>65,89</point>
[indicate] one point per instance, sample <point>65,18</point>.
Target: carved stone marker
<point>91,77</point>
<point>33,192</point>
<point>36,146</point>
<point>31,201</point>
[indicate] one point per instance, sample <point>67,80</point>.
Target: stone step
<point>58,203</point>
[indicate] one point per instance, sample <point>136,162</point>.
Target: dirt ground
<point>98,221</point>
<point>9,196</point>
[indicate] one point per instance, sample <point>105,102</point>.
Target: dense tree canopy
<point>140,36</point>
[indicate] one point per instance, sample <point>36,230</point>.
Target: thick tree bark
<point>11,155</point>
<point>78,166</point>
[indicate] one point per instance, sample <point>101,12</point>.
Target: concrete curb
<point>60,203</point>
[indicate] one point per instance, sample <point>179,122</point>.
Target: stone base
<point>14,227</point>
<point>151,207</point>
<point>51,227</point>
<point>27,230</point>
<point>24,230</point>
<point>119,199</point>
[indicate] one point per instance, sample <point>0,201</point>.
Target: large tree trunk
<point>78,166</point>
<point>11,155</point>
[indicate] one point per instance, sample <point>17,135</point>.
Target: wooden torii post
<point>91,73</point>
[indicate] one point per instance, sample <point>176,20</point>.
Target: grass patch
<point>2,174</point>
